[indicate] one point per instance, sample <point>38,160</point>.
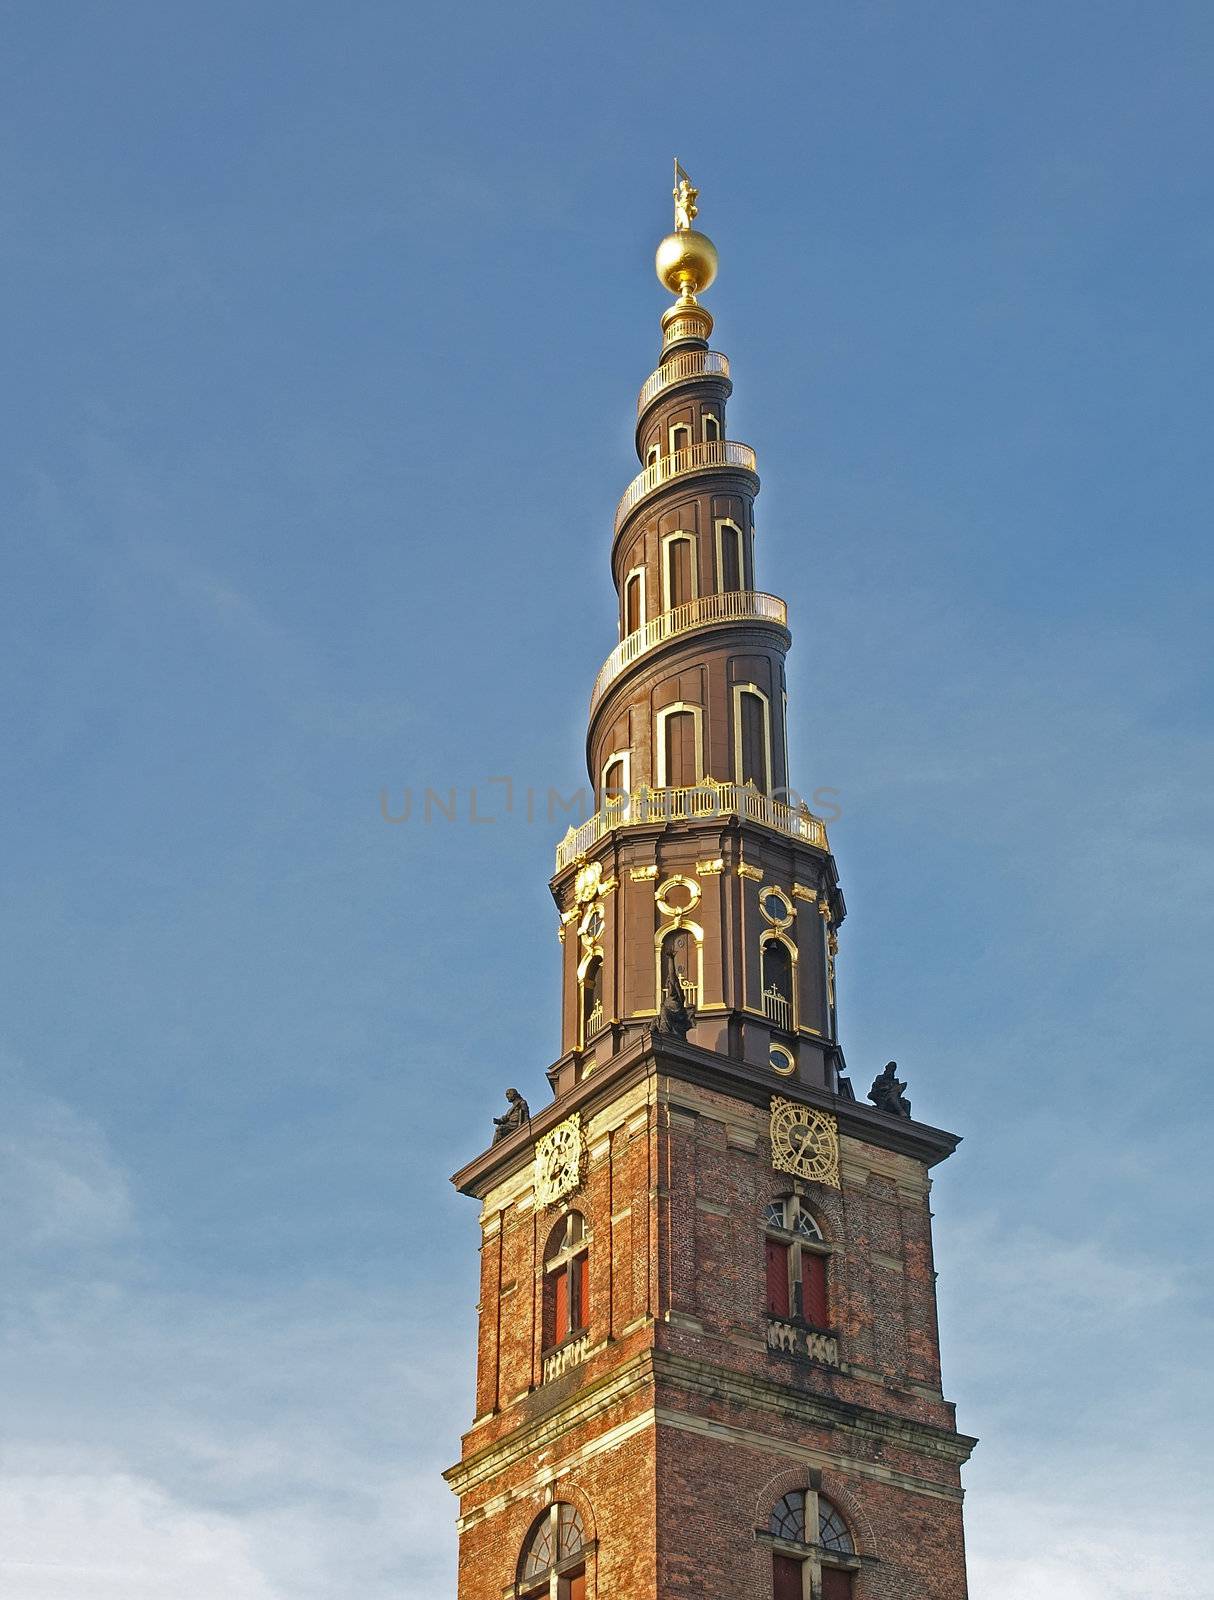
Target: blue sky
<point>325,327</point>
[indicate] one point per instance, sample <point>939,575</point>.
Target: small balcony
<point>733,605</point>
<point>692,458</point>
<point>796,1339</point>
<point>570,1354</point>
<point>708,801</point>
<point>682,369</point>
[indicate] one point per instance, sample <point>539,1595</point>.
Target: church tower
<point>708,1364</point>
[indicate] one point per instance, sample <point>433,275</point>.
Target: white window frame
<point>669,539</point>
<point>728,522</point>
<point>624,756</point>
<point>633,572</point>
<point>739,689</point>
<point>661,719</point>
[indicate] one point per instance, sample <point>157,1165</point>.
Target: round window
<point>775,906</point>
<point>781,1060</point>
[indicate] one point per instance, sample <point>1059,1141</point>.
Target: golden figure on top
<point>686,260</point>
<point>685,197</point>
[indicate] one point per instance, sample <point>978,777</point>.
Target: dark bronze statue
<point>676,1016</point>
<point>518,1113</point>
<point>886,1092</point>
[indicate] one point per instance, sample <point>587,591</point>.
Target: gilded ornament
<point>775,905</point>
<point>690,895</point>
<point>686,260</point>
<point>804,1141</point>
<point>586,884</point>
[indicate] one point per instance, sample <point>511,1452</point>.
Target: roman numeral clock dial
<point>804,1141</point>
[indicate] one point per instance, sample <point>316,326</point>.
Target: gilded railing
<point>692,458</point>
<point>703,802</point>
<point>778,1007</point>
<point>695,364</point>
<point>732,605</point>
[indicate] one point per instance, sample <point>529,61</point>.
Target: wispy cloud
<point>1081,1359</point>
<point>254,1442</point>
<point>60,1185</point>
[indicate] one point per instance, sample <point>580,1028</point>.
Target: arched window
<point>680,749</point>
<point>592,998</point>
<point>712,425</point>
<point>778,987</point>
<point>826,1559</point>
<point>680,574</point>
<point>615,778</point>
<point>680,437</point>
<point>553,1562</point>
<point>653,455</point>
<point>729,556</point>
<point>634,601</point>
<point>566,1281</point>
<point>797,1257</point>
<point>681,944</point>
<point>752,736</point>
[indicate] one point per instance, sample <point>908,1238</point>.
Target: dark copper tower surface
<point>688,756</point>
<point>708,1362</point>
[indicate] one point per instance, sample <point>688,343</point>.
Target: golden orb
<point>686,261</point>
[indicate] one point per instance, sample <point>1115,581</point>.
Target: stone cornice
<point>586,1405</point>
<point>707,1379</point>
<point>669,1057</point>
<point>657,1371</point>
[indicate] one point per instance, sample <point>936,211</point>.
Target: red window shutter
<point>813,1278</point>
<point>574,1588</point>
<point>561,1318</point>
<point>583,1291</point>
<point>787,1576</point>
<point>836,1584</point>
<point>777,1277</point>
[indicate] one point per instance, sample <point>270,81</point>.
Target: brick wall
<point>678,1420</point>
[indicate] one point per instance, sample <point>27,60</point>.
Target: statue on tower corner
<point>517,1113</point>
<point>676,1016</point>
<point>886,1092</point>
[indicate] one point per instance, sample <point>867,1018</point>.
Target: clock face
<point>558,1161</point>
<point>804,1141</point>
